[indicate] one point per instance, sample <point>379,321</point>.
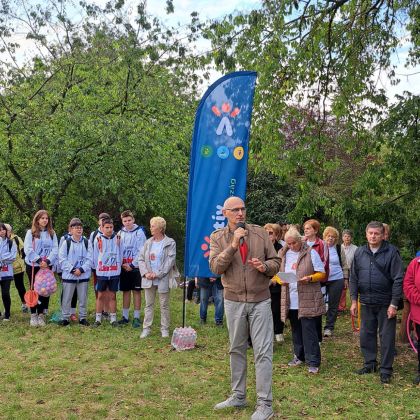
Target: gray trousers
<point>82,292</point>
<point>334,289</point>
<point>374,317</point>
<point>150,296</point>
<point>254,319</point>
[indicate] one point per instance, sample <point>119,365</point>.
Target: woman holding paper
<point>302,301</point>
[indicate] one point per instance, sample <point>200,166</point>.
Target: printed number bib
<point>108,262</point>
<point>128,256</point>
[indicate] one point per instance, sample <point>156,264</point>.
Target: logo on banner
<point>219,223</point>
<point>224,130</point>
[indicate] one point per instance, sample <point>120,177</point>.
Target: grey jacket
<point>367,281</point>
<point>167,268</point>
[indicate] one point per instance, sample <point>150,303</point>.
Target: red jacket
<point>412,288</point>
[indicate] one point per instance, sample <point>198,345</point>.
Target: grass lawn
<point>76,372</point>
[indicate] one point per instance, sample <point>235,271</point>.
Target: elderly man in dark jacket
<point>376,279</point>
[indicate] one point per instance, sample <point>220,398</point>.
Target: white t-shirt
<point>156,255</point>
<point>290,267</point>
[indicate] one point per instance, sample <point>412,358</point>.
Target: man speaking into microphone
<point>245,257</point>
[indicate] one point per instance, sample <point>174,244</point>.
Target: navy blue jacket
<point>367,281</point>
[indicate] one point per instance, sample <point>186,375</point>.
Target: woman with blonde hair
<point>41,251</point>
<point>156,265</point>
<point>337,275</point>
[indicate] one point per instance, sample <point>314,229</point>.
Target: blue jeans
<point>219,306</point>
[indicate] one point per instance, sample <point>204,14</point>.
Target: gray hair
<point>294,234</point>
<point>347,232</point>
<point>375,225</point>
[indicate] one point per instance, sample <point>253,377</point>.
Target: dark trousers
<point>190,289</point>
<point>318,326</point>
<point>275,309</point>
<point>305,339</point>
<point>334,289</point>
<point>374,318</point>
<point>20,285</point>
<point>5,296</point>
<point>43,302</point>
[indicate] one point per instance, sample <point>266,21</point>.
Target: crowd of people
<point>263,277</point>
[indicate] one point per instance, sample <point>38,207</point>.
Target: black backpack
<point>85,240</point>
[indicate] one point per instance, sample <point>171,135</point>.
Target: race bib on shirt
<point>128,255</point>
<point>4,267</point>
<point>108,262</point>
<point>45,249</point>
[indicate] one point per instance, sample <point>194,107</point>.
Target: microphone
<point>240,225</point>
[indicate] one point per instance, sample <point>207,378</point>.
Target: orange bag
<point>31,297</point>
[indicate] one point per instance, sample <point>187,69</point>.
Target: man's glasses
<point>236,210</point>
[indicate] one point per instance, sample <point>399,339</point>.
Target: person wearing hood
<point>132,239</point>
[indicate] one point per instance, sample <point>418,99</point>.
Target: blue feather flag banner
<point>218,164</point>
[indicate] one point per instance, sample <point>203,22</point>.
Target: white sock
<point>99,316</point>
<point>112,317</point>
<point>137,314</point>
<point>126,313</point>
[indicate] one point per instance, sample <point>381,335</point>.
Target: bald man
<point>244,256</point>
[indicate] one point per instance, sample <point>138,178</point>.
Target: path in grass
<point>108,373</point>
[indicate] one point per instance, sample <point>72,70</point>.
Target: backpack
<point>68,241</point>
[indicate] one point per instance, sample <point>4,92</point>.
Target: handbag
<point>31,297</point>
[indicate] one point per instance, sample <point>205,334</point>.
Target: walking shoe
<point>84,322</point>
<point>25,309</point>
<point>115,324</point>
<point>295,362</point>
<point>327,333</point>
<point>123,321</point>
<point>313,369</point>
<point>6,319</point>
<point>165,333</point>
<point>219,324</point>
<point>136,323</point>
<point>203,321</point>
<point>34,320</point>
<point>41,320</point>
<point>64,323</point>
<point>73,317</point>
<point>279,338</point>
<point>365,370</point>
<point>232,401</point>
<point>416,380</point>
<point>145,333</point>
<point>385,378</point>
<point>263,412</point>
<point>97,324</point>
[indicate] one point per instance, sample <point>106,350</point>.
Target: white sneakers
<point>145,333</point>
<point>232,401</point>
<point>37,320</point>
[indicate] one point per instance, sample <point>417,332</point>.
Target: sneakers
<point>34,320</point>
<point>295,362</point>
<point>123,321</point>
<point>279,338</point>
<point>6,319</point>
<point>313,370</point>
<point>219,324</point>
<point>41,320</point>
<point>73,317</point>
<point>365,370</point>
<point>97,324</point>
<point>385,378</point>
<point>232,401</point>
<point>263,412</point>
<point>203,321</point>
<point>327,333</point>
<point>416,380</point>
<point>115,324</point>
<point>25,309</point>
<point>84,322</point>
<point>145,333</point>
<point>165,333</point>
<point>64,323</point>
<point>136,323</point>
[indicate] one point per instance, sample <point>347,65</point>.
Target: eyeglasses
<point>236,210</point>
